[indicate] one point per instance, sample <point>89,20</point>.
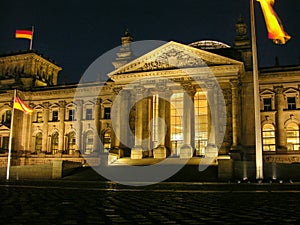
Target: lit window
<point>54,142</point>
<point>292,135</point>
<point>201,122</point>
<point>89,114</point>
<point>291,102</point>
<point>39,117</point>
<point>267,104</point>
<point>89,142</point>
<point>176,122</point>
<point>71,142</point>
<point>155,138</point>
<point>55,116</point>
<point>269,141</point>
<point>38,142</point>
<point>107,140</point>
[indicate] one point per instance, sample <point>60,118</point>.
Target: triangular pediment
<point>267,92</point>
<point>4,127</point>
<point>291,91</point>
<point>174,55</point>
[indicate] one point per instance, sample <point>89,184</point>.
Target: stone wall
<point>54,170</point>
<point>239,170</point>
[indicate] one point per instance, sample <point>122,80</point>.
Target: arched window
<point>89,142</point>
<point>54,142</point>
<point>292,136</point>
<point>38,142</point>
<point>107,140</point>
<point>71,142</point>
<point>201,122</point>
<point>176,122</point>
<point>268,135</point>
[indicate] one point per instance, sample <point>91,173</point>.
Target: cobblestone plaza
<point>73,202</point>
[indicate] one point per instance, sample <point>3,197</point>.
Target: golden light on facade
<point>274,26</point>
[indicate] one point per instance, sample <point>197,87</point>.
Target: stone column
<point>78,124</point>
<point>97,126</point>
<point>211,148</point>
<point>281,142</point>
<point>187,149</point>
<point>125,118</point>
<point>116,119</point>
<point>168,95</point>
<point>145,125</point>
<point>235,84</point>
<point>161,151</point>
<point>150,118</point>
<point>137,150</point>
<point>45,127</point>
<point>61,125</point>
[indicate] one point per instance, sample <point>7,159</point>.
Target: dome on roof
<point>209,44</point>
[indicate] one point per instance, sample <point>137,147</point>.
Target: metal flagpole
<point>258,141</point>
<point>10,136</point>
<point>31,41</point>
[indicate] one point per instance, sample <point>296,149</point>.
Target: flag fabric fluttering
<point>273,23</point>
<point>24,34</point>
<point>20,105</point>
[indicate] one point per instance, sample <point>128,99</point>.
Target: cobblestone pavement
<point>104,203</point>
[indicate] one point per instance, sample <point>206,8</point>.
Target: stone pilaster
<point>78,124</point>
<point>280,130</point>
<point>61,125</point>
<point>45,127</point>
<point>97,125</point>
<point>235,86</point>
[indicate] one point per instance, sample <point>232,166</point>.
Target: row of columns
<point>143,115</point>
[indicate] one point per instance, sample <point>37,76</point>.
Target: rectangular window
<point>39,117</point>
<point>5,143</point>
<point>291,102</point>
<point>71,115</point>
<point>106,113</point>
<point>55,116</point>
<point>89,114</point>
<point>7,116</point>
<point>267,104</point>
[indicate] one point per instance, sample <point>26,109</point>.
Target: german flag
<point>20,105</point>
<point>24,34</point>
<point>273,23</point>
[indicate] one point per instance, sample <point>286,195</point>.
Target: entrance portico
<point>176,105</point>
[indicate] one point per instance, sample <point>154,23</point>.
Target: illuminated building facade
<point>61,128</point>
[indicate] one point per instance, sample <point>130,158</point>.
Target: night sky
<point>74,33</point>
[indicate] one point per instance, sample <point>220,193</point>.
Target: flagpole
<point>258,141</point>
<point>31,41</point>
<point>10,137</point>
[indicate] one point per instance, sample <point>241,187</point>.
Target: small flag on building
<point>20,105</point>
<point>273,23</point>
<point>24,34</point>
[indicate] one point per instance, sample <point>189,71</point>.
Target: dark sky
<point>75,32</point>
